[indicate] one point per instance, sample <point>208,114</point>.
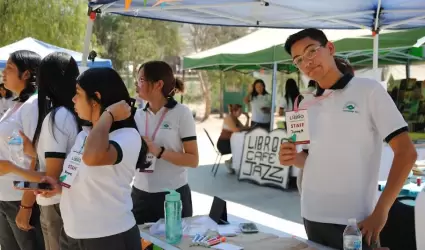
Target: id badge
<point>70,170</point>
<point>297,126</point>
<point>152,160</point>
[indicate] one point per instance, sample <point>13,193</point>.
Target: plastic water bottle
<point>352,236</point>
<point>16,149</point>
<point>173,218</point>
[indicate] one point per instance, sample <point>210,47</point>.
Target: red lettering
<point>297,125</point>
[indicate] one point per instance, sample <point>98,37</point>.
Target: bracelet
<point>112,116</point>
<point>160,153</point>
<point>24,207</point>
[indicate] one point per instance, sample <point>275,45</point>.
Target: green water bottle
<point>173,217</point>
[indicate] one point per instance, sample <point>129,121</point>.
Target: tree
<point>59,22</point>
<point>131,41</point>
<point>206,37</point>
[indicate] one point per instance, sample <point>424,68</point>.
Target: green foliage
<point>59,22</point>
<point>135,40</point>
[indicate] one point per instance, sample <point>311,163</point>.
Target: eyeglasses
<point>309,54</point>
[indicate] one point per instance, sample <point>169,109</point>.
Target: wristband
<point>24,207</point>
<point>112,116</point>
<point>160,153</point>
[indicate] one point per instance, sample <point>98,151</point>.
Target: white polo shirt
<point>55,142</point>
<point>420,220</point>
<point>98,204</point>
<point>5,104</point>
<point>178,126</point>
<point>23,118</point>
<point>347,130</point>
<point>257,103</point>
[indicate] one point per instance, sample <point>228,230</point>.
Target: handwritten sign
<point>260,158</point>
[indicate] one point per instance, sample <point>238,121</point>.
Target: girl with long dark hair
<point>55,134</point>
<point>19,217</point>
<point>95,182</point>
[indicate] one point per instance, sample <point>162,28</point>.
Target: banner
<point>260,158</point>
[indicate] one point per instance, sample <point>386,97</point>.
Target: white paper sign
<point>260,158</point>
<point>297,125</point>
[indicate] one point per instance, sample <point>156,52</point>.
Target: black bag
<point>399,232</point>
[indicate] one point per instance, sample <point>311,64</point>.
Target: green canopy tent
<point>401,47</point>
<point>258,50</point>
<point>395,47</point>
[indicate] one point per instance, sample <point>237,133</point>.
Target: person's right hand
<point>120,110</point>
<point>57,188</point>
<point>287,154</point>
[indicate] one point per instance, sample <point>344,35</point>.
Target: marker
<point>216,241</point>
<point>197,236</point>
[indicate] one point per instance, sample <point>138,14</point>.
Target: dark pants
<point>223,146</point>
<point>52,226</point>
<point>265,126</point>
<point>128,240</point>
<point>149,207</point>
<point>13,238</point>
<point>329,235</point>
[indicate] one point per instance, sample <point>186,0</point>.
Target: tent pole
<point>87,39</point>
<point>376,57</point>
<point>408,69</point>
<point>274,90</point>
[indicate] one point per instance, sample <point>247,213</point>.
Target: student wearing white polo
<point>96,194</point>
<point>54,135</point>
<point>261,103</point>
<point>19,217</point>
<point>169,129</point>
<point>347,128</point>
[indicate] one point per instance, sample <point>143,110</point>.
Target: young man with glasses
<point>346,129</point>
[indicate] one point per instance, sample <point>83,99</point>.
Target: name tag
<point>70,170</point>
<point>297,126</point>
<point>150,158</point>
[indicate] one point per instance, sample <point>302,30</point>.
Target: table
<point>252,240</point>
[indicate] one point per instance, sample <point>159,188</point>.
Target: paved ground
<point>280,206</point>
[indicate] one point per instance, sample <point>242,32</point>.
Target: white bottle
<point>352,236</point>
<point>16,149</point>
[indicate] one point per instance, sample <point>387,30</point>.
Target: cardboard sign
<point>297,126</point>
<point>260,158</point>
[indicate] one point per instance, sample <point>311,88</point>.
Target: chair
<point>219,155</point>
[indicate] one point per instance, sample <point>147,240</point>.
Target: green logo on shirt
<point>350,107</point>
<point>165,125</point>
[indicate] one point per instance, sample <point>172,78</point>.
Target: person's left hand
<point>372,226</point>
<point>152,148</point>
<point>28,146</point>
<point>6,167</point>
<point>23,219</point>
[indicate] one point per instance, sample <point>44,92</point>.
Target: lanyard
<point>309,103</point>
<point>157,126</point>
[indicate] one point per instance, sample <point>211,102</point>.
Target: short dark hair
<point>312,33</point>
